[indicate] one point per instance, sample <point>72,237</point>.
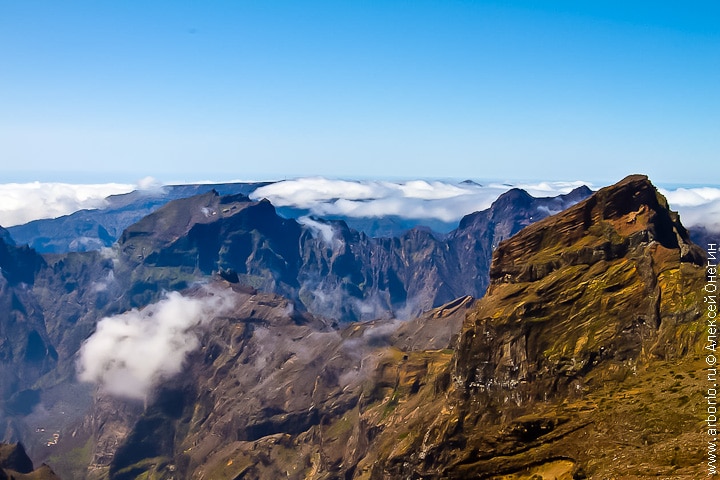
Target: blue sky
<point>181,90</point>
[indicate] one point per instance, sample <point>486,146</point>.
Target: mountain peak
<point>599,299</point>
<point>578,193</point>
<point>604,226</point>
<point>511,198</point>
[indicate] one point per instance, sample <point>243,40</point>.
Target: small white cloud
<point>149,184</point>
<point>207,212</point>
<point>321,230</point>
<point>103,284</point>
<point>130,353</point>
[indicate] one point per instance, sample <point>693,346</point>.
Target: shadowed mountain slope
<point>327,267</point>
<point>15,465</point>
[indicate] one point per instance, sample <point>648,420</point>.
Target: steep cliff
<point>583,358</point>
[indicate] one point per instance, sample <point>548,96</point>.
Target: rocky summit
<point>583,358</point>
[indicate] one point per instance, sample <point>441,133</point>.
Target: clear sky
<point>190,90</point>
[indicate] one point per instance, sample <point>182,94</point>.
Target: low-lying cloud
<point>697,206</point>
<point>419,199</point>
<point>449,202</point>
<point>131,353</point>
<point>321,230</point>
<point>416,200</point>
<point>23,202</point>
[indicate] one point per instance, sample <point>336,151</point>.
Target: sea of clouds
<point>698,206</point>
<point>23,202</point>
<point>417,199</point>
<point>445,201</point>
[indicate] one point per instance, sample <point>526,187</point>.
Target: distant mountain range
<point>500,347</point>
<point>93,229</point>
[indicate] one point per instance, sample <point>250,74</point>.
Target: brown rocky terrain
<point>262,397</point>
<point>582,360</point>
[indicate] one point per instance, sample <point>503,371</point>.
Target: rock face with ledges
<point>582,358</point>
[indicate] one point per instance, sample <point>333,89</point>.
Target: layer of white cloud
<point>697,206</point>
<point>417,199</point>
<point>129,354</point>
<point>449,202</point>
<point>23,202</point>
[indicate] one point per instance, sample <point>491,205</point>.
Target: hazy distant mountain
<point>93,229</point>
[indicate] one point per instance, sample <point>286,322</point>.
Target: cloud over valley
<point>132,352</point>
<point>417,199</point>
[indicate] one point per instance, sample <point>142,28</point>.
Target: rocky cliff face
<point>17,264</point>
<point>583,359</point>
<point>271,393</point>
<point>26,352</point>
